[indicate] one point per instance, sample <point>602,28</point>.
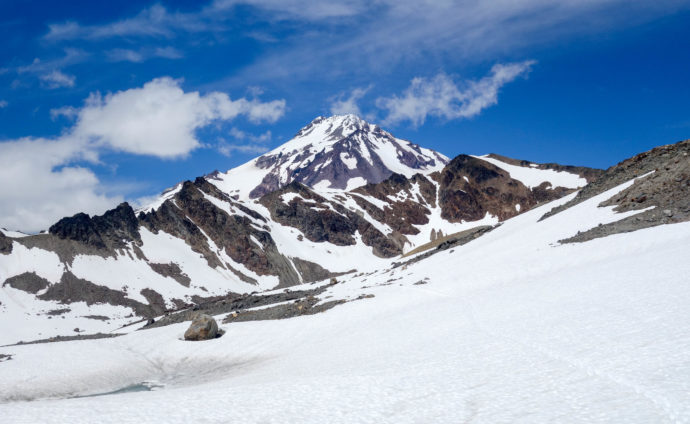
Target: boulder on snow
<point>203,327</point>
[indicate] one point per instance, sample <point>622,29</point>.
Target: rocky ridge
<point>661,191</point>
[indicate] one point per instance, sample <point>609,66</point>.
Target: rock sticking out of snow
<point>203,327</point>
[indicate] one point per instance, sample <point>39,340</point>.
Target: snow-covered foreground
<point>512,327</point>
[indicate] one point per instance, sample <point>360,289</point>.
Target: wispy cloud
<point>348,103</point>
<point>143,54</point>
<point>242,135</point>
<point>155,22</point>
<point>57,79</point>
<point>68,112</point>
<point>70,57</point>
<point>245,142</point>
<point>304,39</point>
<point>227,149</point>
<point>3,104</point>
<point>383,36</point>
<point>158,22</point>
<point>50,73</point>
<point>442,97</point>
<point>167,53</point>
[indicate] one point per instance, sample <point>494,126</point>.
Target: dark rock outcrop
<point>173,271</point>
<point>320,220</point>
<point>658,159</point>
<point>401,215</point>
<point>72,289</point>
<point>237,230</point>
<point>28,282</point>
<point>5,244</point>
<point>665,192</point>
<point>112,230</point>
<point>470,188</point>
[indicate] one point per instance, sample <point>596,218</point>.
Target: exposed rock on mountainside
<point>403,212</point>
<point>109,231</point>
<point>323,221</point>
<point>472,188</point>
<point>28,282</point>
<point>661,191</point>
<point>5,245</point>
<point>72,289</point>
<point>195,213</point>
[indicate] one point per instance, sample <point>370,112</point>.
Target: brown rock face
<point>321,220</point>
<point>237,230</point>
<point>411,209</point>
<point>5,245</point>
<point>203,327</point>
<point>470,188</point>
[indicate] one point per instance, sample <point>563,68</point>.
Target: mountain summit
<point>339,152</point>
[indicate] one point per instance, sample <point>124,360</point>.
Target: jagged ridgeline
<point>343,195</point>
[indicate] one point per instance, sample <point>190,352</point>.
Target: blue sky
<point>102,101</point>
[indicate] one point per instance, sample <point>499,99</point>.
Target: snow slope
<point>533,176</point>
<point>512,327</point>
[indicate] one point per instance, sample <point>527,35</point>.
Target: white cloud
<point>158,119</point>
<point>441,97</point>
<point>343,105</point>
<point>43,188</point>
<point>258,111</point>
<point>3,104</point>
<point>57,79</point>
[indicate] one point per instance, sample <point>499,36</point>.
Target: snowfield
<point>511,327</point>
<point>533,177</point>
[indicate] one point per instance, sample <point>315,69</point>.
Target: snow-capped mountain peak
<point>338,152</point>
